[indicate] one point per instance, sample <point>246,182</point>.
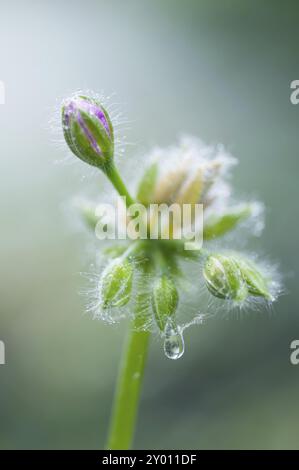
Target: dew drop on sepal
<point>173,341</point>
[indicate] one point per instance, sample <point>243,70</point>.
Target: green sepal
<point>116,283</point>
<point>257,284</point>
<point>216,226</point>
<point>147,185</point>
<point>99,133</point>
<point>165,299</point>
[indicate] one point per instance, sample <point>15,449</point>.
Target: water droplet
<point>174,342</point>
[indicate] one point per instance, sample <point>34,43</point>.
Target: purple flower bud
<point>88,130</point>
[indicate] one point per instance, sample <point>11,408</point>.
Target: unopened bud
<point>256,282</point>
<point>88,130</point>
<point>224,278</point>
<point>164,300</point>
<point>116,283</point>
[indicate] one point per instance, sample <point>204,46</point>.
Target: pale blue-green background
<point>218,69</point>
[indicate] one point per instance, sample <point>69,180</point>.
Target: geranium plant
<point>145,279</point>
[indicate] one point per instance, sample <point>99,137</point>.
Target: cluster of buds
<point>143,277</point>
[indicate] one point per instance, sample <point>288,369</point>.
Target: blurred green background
<point>217,69</point>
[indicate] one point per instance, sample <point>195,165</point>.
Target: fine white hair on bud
<point>224,278</point>
<point>118,121</point>
<point>241,281</point>
<point>88,130</point>
<point>164,300</point>
<point>116,283</point>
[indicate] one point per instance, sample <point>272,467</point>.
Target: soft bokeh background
<point>218,69</point>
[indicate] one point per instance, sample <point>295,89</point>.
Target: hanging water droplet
<point>174,342</point>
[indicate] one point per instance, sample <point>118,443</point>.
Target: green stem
<point>128,387</point>
<point>119,185</point>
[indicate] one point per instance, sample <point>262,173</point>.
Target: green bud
<point>218,226</point>
<point>88,130</point>
<point>146,188</point>
<point>116,283</point>
<point>256,283</point>
<point>224,278</point>
<point>165,299</point>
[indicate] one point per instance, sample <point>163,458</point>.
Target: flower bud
<point>257,284</point>
<point>116,283</point>
<point>88,130</point>
<point>224,278</point>
<point>164,300</point>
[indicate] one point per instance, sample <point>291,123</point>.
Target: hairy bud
<point>256,282</point>
<point>164,300</point>
<point>116,283</point>
<point>224,278</point>
<point>88,130</point>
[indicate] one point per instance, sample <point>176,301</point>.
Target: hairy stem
<point>128,388</point>
<point>119,185</point>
